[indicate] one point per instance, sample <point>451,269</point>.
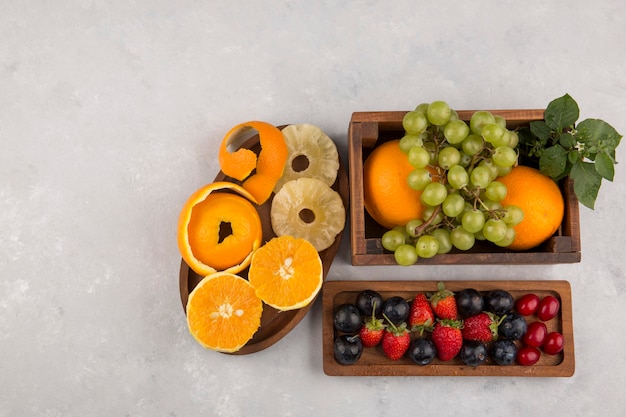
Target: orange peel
<point>268,166</point>
<point>202,245</point>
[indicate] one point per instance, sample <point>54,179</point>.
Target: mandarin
<point>540,199</point>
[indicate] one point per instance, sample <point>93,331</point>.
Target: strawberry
<point>396,341</point>
<point>372,330</point>
<point>482,327</point>
<point>447,338</point>
<point>443,303</point>
<point>421,316</point>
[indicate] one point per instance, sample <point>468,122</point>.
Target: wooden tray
<point>369,129</point>
<point>274,324</point>
<point>373,362</point>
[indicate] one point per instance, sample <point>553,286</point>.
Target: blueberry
<point>347,318</point>
<point>422,351</point>
<point>396,309</point>
<point>473,353</point>
<point>499,302</point>
<point>366,300</point>
<point>348,349</point>
<point>503,352</point>
<point>469,302</point>
<point>513,326</point>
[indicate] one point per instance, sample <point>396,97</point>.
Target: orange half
<point>219,231</point>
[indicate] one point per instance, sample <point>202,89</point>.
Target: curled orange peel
<point>268,166</point>
<point>199,223</point>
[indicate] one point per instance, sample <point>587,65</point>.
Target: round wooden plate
<point>274,323</point>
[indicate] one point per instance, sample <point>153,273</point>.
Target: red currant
<point>528,355</point>
<point>535,334</point>
<point>548,308</point>
<point>553,343</point>
<point>527,304</point>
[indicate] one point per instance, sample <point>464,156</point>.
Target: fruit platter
<point>275,321</point>
<point>531,353</point>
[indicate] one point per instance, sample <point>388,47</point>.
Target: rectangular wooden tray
<point>373,362</point>
<point>369,129</point>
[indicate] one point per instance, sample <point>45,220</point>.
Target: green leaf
<point>586,182</point>
<point>597,135</point>
<point>604,166</point>
<point>553,161</point>
<point>573,157</point>
<point>561,113</point>
<point>540,129</point>
<point>567,140</point>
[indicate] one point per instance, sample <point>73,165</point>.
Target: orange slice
<point>286,273</point>
<point>223,312</point>
<point>219,231</point>
<point>268,166</point>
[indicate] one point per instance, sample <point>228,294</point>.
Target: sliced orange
<point>269,164</point>
<point>223,312</point>
<point>286,273</point>
<point>218,230</point>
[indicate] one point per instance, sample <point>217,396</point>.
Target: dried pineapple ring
<point>311,153</point>
<point>308,208</point>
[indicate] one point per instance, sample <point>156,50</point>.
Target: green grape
<point>508,238</point>
<point>418,157</point>
<point>432,150</point>
<point>438,113</point>
<point>492,132</point>
<point>409,141</point>
<point>427,246</point>
<point>494,230</point>
<point>392,239</point>
<point>479,235</point>
<point>443,237</point>
<point>448,157</point>
<point>513,139</point>
<point>473,220</point>
<point>501,121</point>
<point>496,191</point>
<point>456,131</point>
<point>457,177</point>
<point>491,205</point>
<point>405,255</point>
<point>434,194</point>
<point>422,108</point>
<point>504,156</point>
<point>502,171</point>
<point>419,178</point>
<point>414,122</point>
<point>462,239</point>
<point>479,119</point>
<point>472,145</point>
<point>453,115</point>
<point>513,215</point>
<point>480,176</point>
<point>466,160</point>
<point>430,212</point>
<point>453,205</point>
<point>411,227</point>
<point>493,168</point>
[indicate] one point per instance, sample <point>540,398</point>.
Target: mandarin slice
<point>311,153</point>
<point>308,208</point>
<point>223,312</point>
<point>286,273</point>
<point>217,230</point>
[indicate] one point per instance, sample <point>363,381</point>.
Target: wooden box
<point>369,129</point>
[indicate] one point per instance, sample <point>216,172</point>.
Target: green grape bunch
<point>456,166</point>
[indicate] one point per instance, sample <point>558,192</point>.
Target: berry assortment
<point>470,328</point>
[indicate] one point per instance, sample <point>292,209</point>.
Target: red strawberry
<point>443,303</point>
<point>482,327</point>
<point>421,316</point>
<point>372,330</point>
<point>447,338</point>
<point>396,341</point>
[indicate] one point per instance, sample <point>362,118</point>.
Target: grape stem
<point>422,227</point>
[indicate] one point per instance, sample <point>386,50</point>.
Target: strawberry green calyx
<point>441,294</point>
<point>456,324</point>
<point>495,323</point>
<point>398,330</point>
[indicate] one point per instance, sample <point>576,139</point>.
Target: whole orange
<point>542,202</point>
<point>386,195</point>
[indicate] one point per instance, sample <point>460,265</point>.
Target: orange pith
<point>286,273</point>
<point>269,164</point>
<point>386,195</point>
<point>200,221</point>
<point>542,202</point>
<point>223,312</point>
